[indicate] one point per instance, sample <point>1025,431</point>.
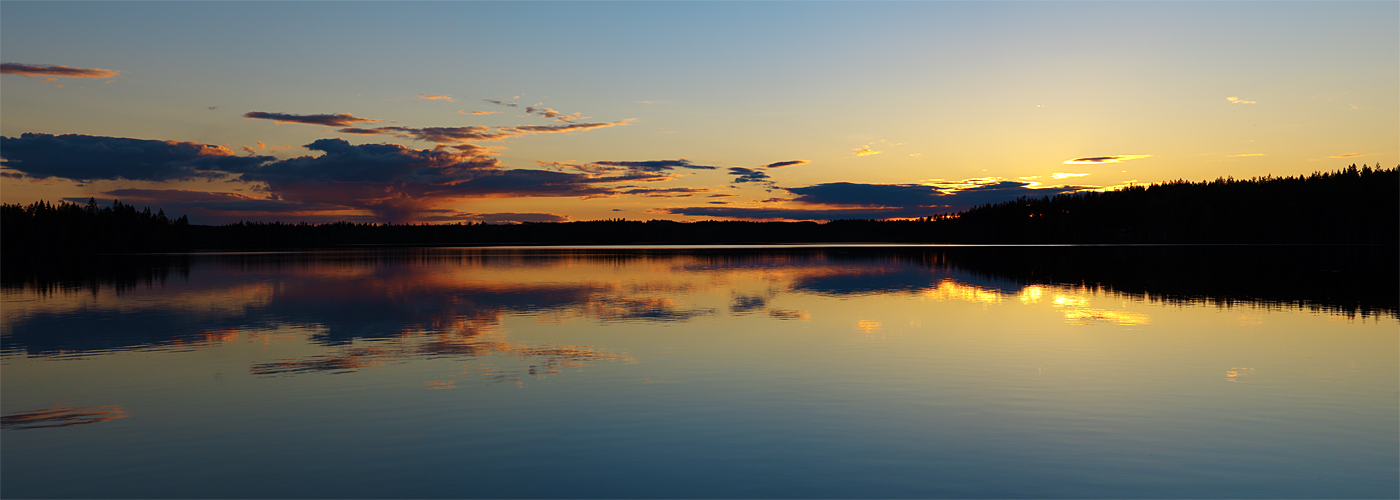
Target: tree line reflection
<point>446,302</point>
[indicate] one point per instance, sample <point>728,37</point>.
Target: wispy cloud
<point>340,120</point>
<point>436,97</point>
<point>866,151</point>
<point>33,70</point>
<point>678,192</point>
<point>556,115</point>
<point>788,163</point>
<point>501,102</point>
<point>1103,159</point>
<point>439,135</point>
<point>1062,175</point>
<point>465,112</point>
<point>1348,155</point>
<point>448,135</point>
<point>1237,100</point>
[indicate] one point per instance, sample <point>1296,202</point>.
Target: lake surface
<point>929,372</point>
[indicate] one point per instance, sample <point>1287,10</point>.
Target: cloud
<point>866,151</point>
<point>846,200</point>
<point>397,183</point>
<point>341,120</point>
<point>1236,100</point>
<point>679,192</point>
<point>1062,175</point>
<point>1348,155</point>
<point>435,97</point>
<point>464,112</point>
<point>788,163</point>
<point>637,171</point>
<point>869,195</point>
<point>729,212</point>
<point>744,175</point>
<point>439,135</point>
<point>1103,159</point>
<point>503,103</point>
<point>655,165</point>
<point>1246,154</point>
<point>33,70</point>
<point>449,215</point>
<point>552,129</point>
<point>87,157</point>
<point>447,135</point>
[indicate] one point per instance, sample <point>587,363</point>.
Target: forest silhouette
<point>1349,206</point>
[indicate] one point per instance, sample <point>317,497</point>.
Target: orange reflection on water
<point>1237,374</point>
<point>952,290</point>
<point>61,417</point>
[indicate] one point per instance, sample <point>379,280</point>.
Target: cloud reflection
<point>61,417</point>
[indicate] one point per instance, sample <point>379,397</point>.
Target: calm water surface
<point>616,373</point>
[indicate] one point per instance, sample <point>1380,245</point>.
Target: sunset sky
<point>544,111</point>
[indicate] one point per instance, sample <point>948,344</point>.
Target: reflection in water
<point>923,372</point>
<point>61,417</point>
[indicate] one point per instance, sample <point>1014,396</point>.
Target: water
<point>760,372</point>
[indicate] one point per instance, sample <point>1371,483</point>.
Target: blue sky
<point>952,99</point>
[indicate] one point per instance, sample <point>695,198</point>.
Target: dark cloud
<point>795,213</point>
<point>448,135</point>
<point>680,192</point>
<point>749,175</point>
<point>786,163</point>
<point>88,157</point>
<point>1104,159</point>
<point>845,200</point>
<point>341,120</point>
<point>868,195</point>
<point>33,70</point>
<point>397,183</point>
<point>492,218</point>
<point>440,135</point>
<point>205,207</point>
<point>655,165</point>
<point>503,103</point>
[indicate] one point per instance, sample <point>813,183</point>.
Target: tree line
<point>1351,205</point>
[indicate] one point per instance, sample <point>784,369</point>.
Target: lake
<point>755,372</point>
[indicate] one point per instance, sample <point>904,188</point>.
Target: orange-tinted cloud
<point>1236,100</point>
<point>464,112</point>
<point>1103,159</point>
<point>33,70</point>
<point>1348,155</point>
<point>435,97</point>
<point>866,151</point>
<point>340,120</point>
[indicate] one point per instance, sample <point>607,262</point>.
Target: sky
<point>499,112</point>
